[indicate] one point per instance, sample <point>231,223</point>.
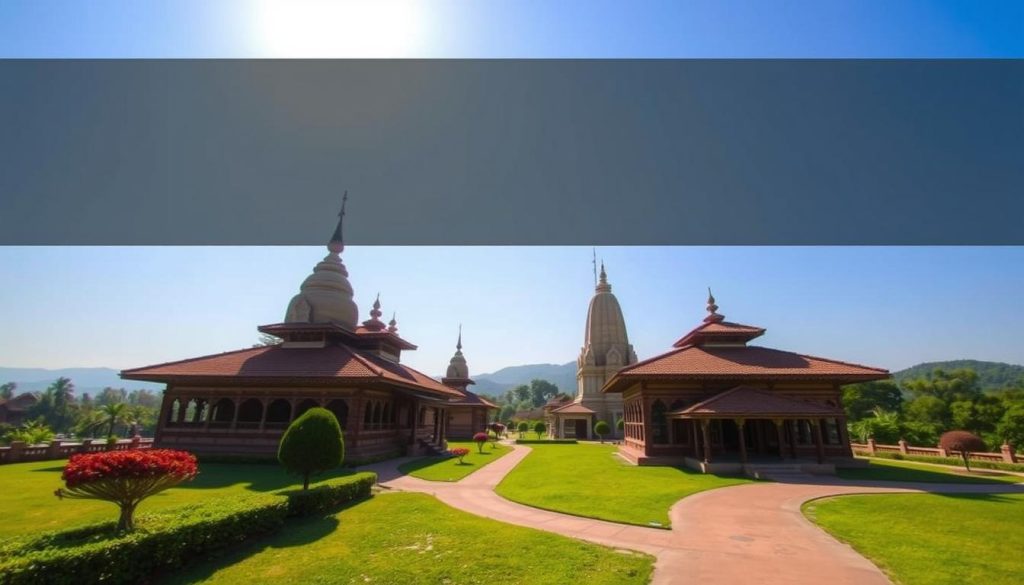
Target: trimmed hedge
<point>954,461</point>
<point>330,494</point>
<point>165,540</point>
<point>546,441</point>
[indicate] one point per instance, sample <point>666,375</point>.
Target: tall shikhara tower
<point>605,350</point>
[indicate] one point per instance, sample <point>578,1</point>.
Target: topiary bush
<point>601,429</point>
<point>312,445</point>
<point>460,452</point>
<point>480,439</point>
<point>523,427</point>
<point>125,477</point>
<point>621,424</point>
<point>962,441</point>
<point>539,428</point>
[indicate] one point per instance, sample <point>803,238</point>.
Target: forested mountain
<point>991,375</point>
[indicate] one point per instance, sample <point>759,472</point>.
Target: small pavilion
<point>716,402</point>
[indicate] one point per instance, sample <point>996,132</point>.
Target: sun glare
<point>320,28</point>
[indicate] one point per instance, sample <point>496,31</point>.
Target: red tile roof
<point>711,330</point>
<point>744,401</point>
<point>573,408</point>
<point>323,363</point>
<point>701,362</point>
<point>471,399</point>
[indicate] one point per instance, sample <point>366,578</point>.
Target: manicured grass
<point>591,480</point>
<point>449,468</point>
<point>413,538</point>
<point>925,539</point>
<point>887,470</point>
<point>29,506</point>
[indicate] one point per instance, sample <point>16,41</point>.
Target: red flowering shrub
<point>125,477</point>
<point>460,452</point>
<point>480,439</point>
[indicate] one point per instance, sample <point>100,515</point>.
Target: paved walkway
<point>747,533</point>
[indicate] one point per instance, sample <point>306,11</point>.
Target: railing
<point>19,452</point>
<point>1006,453</point>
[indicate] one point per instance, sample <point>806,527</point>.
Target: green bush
<point>330,494</point>
<point>523,427</point>
<point>601,429</point>
<point>539,428</point>
<point>621,424</point>
<point>312,444</point>
<point>165,540</point>
<point>956,461</point>
<point>161,541</point>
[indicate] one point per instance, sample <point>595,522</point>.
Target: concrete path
<point>748,533</point>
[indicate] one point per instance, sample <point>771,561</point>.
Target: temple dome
<point>326,296</point>
<point>457,367</point>
<point>606,329</point>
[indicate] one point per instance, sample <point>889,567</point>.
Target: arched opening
<point>659,423</point>
<point>304,406</point>
<point>223,412</point>
<point>339,408</point>
<point>172,412</point>
<point>249,414</point>
<point>279,412</point>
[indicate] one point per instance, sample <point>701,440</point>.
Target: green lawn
<point>413,538</point>
<point>28,503</point>
<point>888,470</point>
<point>925,539</point>
<point>449,468</point>
<point>591,480</point>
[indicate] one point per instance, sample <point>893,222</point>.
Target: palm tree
<point>63,395</point>
<point>114,413</point>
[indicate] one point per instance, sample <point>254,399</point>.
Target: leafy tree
<point>948,387</point>
<point>929,409</point>
<point>33,433</point>
<point>480,439</point>
<point>539,427</point>
<point>601,429</point>
<point>962,441</point>
<point>63,395</point>
<point>860,400</point>
<point>523,394</point>
<point>883,425</point>
<point>1011,426</point>
<point>523,427</point>
<point>125,477</point>
<point>267,340</point>
<point>507,412</point>
<point>541,391</point>
<point>7,390</point>
<point>113,413</point>
<point>111,396</point>
<point>312,444</point>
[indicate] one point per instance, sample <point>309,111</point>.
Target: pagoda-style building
<point>715,402</point>
<point>605,350</point>
<point>240,402</point>
<point>467,415</point>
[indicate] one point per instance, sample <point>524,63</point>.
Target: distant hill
<point>990,374</point>
<point>496,383</point>
<point>91,380</point>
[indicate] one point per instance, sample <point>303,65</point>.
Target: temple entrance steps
<point>788,471</point>
<point>425,447</point>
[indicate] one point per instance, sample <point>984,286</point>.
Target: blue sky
<point>890,307</point>
<point>512,28</point>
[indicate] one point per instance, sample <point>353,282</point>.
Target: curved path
<point>726,535</point>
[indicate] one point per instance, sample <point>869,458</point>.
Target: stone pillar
<point>818,443</point>
<point>53,451</point>
<point>263,416</point>
<point>17,452</point>
<point>696,439</point>
<point>235,404</point>
<point>780,438</point>
<point>903,446</point>
<point>1009,455</point>
<point>704,424</point>
<point>740,423</point>
<point>872,446</point>
<point>844,436</point>
<point>791,428</point>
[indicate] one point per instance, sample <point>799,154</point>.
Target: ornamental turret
<point>457,374</point>
<point>326,296</point>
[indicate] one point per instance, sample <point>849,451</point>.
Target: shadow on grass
<point>886,473</point>
<point>295,532</point>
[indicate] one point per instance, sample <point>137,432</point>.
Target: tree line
<point>59,410</point>
<point>524,397</point>
<point>920,409</point>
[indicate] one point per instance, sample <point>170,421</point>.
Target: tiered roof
<point>743,401</point>
<point>717,349</point>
